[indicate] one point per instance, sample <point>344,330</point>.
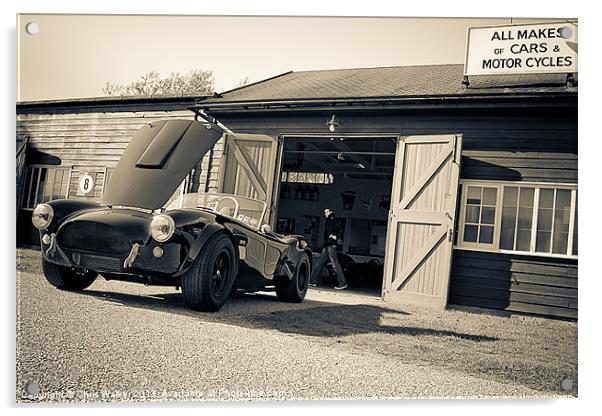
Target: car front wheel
<point>208,283</point>
<point>295,288</point>
<point>66,278</point>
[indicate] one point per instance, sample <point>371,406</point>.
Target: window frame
<point>108,171</point>
<point>27,186</point>
<point>500,186</point>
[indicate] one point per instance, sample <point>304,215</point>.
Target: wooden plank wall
<point>529,284</point>
<point>91,142</point>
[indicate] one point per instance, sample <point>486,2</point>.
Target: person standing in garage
<point>329,251</point>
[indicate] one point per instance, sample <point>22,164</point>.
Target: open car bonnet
<point>156,161</point>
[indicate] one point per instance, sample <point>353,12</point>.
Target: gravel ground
<point>125,342</point>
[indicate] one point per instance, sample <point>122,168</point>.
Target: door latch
<point>450,234</point>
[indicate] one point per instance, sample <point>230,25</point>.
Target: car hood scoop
<point>156,161</point>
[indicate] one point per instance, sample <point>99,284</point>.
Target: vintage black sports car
<point>208,244</point>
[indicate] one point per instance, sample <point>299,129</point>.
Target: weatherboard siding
<point>89,142</point>
<point>520,145</point>
<point>87,139</point>
<point>508,282</point>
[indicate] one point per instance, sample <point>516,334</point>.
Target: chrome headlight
<point>302,244</point>
<point>42,216</point>
<point>162,227</point>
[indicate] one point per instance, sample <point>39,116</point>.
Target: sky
<point>74,56</point>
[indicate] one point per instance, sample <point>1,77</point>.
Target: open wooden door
<point>250,167</point>
<point>421,220</point>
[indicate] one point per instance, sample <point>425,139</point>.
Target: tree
<point>242,82</point>
<point>196,82</point>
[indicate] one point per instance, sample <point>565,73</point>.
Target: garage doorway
<point>394,195</point>
<point>352,175</point>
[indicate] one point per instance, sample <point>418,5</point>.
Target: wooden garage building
<point>482,201</point>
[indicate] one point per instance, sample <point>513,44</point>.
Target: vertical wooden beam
<point>535,219</point>
<point>69,182</point>
<point>569,246</point>
<point>553,222</point>
<point>396,190</point>
<point>518,193</point>
<point>35,195</point>
<point>104,180</point>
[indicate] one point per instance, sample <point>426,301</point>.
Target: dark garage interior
<point>353,176</point>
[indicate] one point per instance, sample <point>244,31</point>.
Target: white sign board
<point>86,184</point>
<point>522,49</point>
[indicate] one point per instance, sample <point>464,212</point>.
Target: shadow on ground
<point>310,318</point>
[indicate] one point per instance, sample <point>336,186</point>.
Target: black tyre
<point>208,283</point>
<point>66,278</point>
<point>294,289</point>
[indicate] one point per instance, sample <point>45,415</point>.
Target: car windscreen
<point>246,210</point>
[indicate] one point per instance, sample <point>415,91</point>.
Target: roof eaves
<point>114,100</point>
<point>382,100</point>
<point>103,104</point>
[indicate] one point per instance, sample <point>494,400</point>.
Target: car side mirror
<point>266,229</point>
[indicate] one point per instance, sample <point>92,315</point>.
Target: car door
<point>255,248</point>
<point>274,249</point>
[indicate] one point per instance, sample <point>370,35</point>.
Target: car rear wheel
<point>295,288</point>
<point>208,283</point>
<point>66,278</point>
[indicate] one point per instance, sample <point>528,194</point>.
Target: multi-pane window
<point>526,218</point>
<point>308,177</point>
<point>44,183</point>
<point>479,220</point>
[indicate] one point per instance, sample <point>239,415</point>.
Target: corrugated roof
<point>395,81</point>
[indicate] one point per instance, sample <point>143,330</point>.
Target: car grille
<point>98,263</point>
<point>93,236</point>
